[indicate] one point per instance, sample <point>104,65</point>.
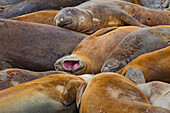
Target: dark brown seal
<point>156,4</point>
<point>51,94</point>
<point>12,77</point>
<point>28,6</point>
<point>91,53</point>
<point>43,17</point>
<point>113,93</point>
<point>96,14</point>
<point>138,42</point>
<point>34,46</point>
<point>151,67</point>
<point>9,2</point>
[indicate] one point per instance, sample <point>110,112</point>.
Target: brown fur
<point>12,77</point>
<point>113,93</point>
<point>48,94</point>
<point>157,92</point>
<point>43,17</point>
<point>138,42</point>
<point>96,14</point>
<point>34,46</point>
<point>93,50</point>
<point>154,65</point>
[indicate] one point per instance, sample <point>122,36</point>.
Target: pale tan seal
<point>157,92</point>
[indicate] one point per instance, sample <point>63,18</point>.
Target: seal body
<point>34,46</point>
<point>156,4</point>
<point>91,53</point>
<point>43,17</point>
<point>9,2</point>
<point>12,77</point>
<point>154,65</point>
<point>28,6</point>
<point>158,93</point>
<point>95,14</point>
<point>138,42</point>
<point>51,94</point>
<point>113,93</point>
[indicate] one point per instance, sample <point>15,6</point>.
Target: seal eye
<point>61,19</point>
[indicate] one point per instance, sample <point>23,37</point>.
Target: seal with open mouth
<point>90,54</point>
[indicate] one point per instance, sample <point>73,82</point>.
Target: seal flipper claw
<point>136,75</point>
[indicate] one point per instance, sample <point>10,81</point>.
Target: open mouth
<point>71,65</point>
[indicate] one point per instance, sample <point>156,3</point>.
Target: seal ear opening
<point>80,93</point>
<point>136,75</point>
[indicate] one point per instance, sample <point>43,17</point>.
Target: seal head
<point>74,19</point>
<point>71,64</point>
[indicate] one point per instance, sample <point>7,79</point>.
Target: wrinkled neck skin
<point>146,89</point>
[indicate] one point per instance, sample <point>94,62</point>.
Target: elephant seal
<point>151,66</point>
<point>91,53</point>
<point>141,41</point>
<point>96,14</point>
<point>43,17</point>
<point>29,6</point>
<point>157,92</point>
<point>12,77</point>
<point>34,46</point>
<point>113,93</point>
<point>9,2</point>
<point>51,94</point>
<point>156,4</point>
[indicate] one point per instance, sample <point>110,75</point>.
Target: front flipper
<point>136,75</point>
<point>127,19</point>
<point>70,91</point>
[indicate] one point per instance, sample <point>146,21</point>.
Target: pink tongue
<point>70,65</point>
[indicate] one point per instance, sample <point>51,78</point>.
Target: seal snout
<point>69,64</point>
